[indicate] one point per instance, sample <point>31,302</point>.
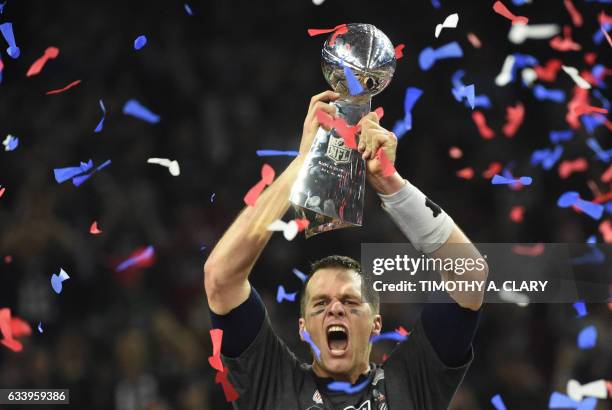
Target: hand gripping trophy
<point>330,187</point>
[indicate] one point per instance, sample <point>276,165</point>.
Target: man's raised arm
<point>227,269</point>
<point>423,222</point>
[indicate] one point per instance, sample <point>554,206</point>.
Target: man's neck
<point>350,377</point>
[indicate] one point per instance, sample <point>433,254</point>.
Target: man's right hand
<point>311,124</point>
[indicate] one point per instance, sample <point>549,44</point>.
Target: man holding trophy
<point>339,310</point>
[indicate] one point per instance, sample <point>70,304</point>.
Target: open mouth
<point>337,339</point>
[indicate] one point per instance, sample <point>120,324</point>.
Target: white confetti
<point>505,76</point>
<point>520,32</point>
<point>449,22</point>
<point>173,166</point>
<point>573,72</point>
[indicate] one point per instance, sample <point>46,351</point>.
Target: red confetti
<point>609,384</point>
<point>339,29</point>
<point>517,213</point>
<point>379,113</point>
<point>604,18</point>
<point>526,250</point>
<point>215,360</point>
<point>399,51</point>
<point>402,331</point>
<point>93,229</point>
<point>302,223</point>
<point>230,392</point>
<point>580,98</point>
<point>549,71</point>
<point>494,168</point>
<point>6,328</point>
<point>565,43</point>
<point>2,191</point>
<point>387,167</point>
<point>37,66</point>
<point>8,259</point>
<point>20,327</point>
<point>385,357</point>
<point>474,40</point>
<point>267,176</point>
<point>500,8</point>
<point>342,128</point>
<point>589,109</point>
<point>574,14</point>
<point>607,175</point>
<point>61,90</point>
<point>514,118</point>
<point>590,58</point>
<point>455,152</point>
<point>600,199</point>
<point>606,231</point>
<point>567,167</point>
<point>466,173</point>
<point>481,122</point>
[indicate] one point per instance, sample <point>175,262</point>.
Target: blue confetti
<point>594,257</point>
<point>275,153</point>
<point>429,56</point>
<point>598,36</point>
<point>10,143</point>
<point>581,308</point>
<point>147,253</point>
<point>498,403</point>
<point>281,295</point>
<point>306,336</point>
<point>354,86</point>
<point>2,7</point>
<point>188,9</point>
<point>136,109</point>
<point>601,154</point>
<point>571,198</point>
<point>436,4</point>
<point>301,275</point>
<point>561,401</point>
<point>465,91</point>
<point>79,180</point>
<point>546,157</point>
<point>411,97</point>
<point>558,136</point>
<point>212,197</point>
<point>7,31</point>
<point>395,336</point>
<point>101,123</point>
<point>64,174</point>
<point>140,42</point>
<point>56,281</point>
<point>587,338</point>
<point>347,387</point>
<point>481,101</point>
<point>500,180</point>
<point>542,93</point>
<point>40,329</point>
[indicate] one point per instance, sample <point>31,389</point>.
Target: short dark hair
<point>338,261</point>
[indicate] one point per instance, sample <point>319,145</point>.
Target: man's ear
<point>376,325</point>
<point>302,327</point>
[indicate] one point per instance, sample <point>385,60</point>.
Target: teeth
<point>336,329</point>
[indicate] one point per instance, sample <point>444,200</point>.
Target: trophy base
<point>319,223</point>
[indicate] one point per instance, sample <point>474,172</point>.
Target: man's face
<point>340,323</point>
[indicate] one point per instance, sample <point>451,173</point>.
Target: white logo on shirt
<point>364,406</point>
<point>316,397</point>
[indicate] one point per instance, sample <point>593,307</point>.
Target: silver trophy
<point>330,187</point>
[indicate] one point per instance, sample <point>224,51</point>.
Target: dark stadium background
<point>233,78</point>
